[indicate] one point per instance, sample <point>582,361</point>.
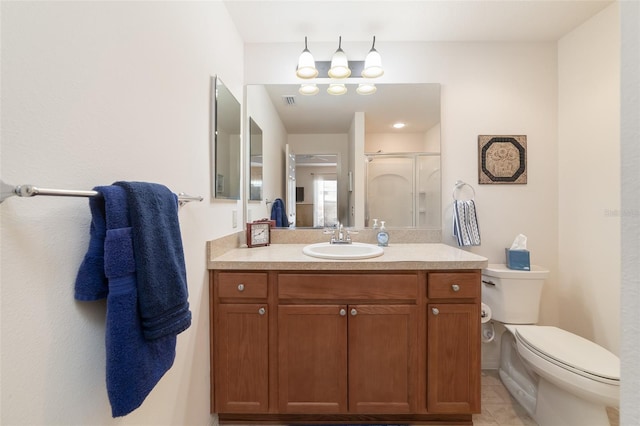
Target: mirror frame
<point>226,143</point>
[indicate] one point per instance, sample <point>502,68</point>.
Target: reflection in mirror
<point>316,190</point>
<point>227,143</point>
<point>359,128</point>
<point>255,161</point>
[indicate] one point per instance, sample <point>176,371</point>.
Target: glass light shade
<point>339,63</point>
<point>372,65</point>
<point>306,66</point>
<point>366,89</point>
<point>308,89</point>
<point>337,89</point>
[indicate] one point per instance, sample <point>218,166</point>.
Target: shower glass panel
<point>403,190</point>
<point>428,188</point>
<point>390,190</point>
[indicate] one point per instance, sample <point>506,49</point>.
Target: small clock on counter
<point>259,233</point>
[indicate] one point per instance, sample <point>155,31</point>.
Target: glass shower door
<point>390,190</point>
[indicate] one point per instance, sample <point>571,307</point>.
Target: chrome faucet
<point>340,236</point>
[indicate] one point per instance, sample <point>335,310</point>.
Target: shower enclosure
<point>403,190</point>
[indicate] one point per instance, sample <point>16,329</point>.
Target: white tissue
<point>520,243</point>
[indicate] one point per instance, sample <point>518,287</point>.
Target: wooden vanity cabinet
<point>293,347</point>
<point>453,342</point>
<point>240,343</point>
<point>347,343</point>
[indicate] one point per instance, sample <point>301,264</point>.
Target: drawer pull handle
<point>343,312</point>
<point>240,287</point>
<point>435,311</point>
<point>455,287</point>
<point>354,312</point>
<point>262,311</point>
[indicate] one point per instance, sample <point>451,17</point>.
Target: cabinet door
<point>382,358</point>
<point>242,361</point>
<point>453,360</point>
<point>312,359</point>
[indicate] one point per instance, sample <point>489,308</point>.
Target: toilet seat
<point>571,352</point>
<point>561,349</point>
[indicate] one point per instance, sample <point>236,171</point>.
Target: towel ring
<point>458,187</point>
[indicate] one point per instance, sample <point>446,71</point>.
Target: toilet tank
<point>513,296</point>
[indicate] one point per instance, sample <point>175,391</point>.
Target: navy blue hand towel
<point>161,272</point>
<point>91,282</point>
<point>134,365</point>
<point>279,214</point>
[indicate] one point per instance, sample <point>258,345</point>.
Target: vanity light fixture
<point>308,89</point>
<point>366,89</point>
<point>337,89</point>
<point>339,63</point>
<point>306,64</point>
<point>373,63</point>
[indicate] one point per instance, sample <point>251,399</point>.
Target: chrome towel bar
<point>31,191</point>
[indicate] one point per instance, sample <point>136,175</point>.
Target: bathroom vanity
<point>394,339</point>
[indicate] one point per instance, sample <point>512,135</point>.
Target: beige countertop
<point>414,256</point>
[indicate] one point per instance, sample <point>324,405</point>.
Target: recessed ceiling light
<point>398,125</point>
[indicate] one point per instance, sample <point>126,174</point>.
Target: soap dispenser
<point>383,235</point>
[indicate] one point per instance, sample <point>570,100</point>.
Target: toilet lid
<point>571,351</point>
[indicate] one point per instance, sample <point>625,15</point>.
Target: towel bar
<point>459,185</point>
<point>31,191</point>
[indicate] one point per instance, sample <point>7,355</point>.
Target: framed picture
<point>502,159</point>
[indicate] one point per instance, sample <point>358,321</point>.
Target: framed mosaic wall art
<point>502,159</point>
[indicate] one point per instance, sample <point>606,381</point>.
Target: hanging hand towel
<point>465,223</point>
<point>161,272</point>
<point>279,214</point>
<point>134,365</point>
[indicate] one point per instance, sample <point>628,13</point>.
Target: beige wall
<point>94,92</point>
<point>588,289</point>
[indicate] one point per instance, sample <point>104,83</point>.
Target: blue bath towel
<point>91,282</point>
<point>134,365</point>
<point>279,214</point>
<point>161,272</point>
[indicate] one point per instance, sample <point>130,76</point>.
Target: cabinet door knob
<point>343,312</point>
<point>262,311</point>
<point>354,312</point>
<point>455,287</point>
<point>240,287</point>
<point>435,311</point>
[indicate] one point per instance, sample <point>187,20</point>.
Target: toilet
<point>558,377</point>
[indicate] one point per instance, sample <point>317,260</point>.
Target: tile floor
<point>500,409</point>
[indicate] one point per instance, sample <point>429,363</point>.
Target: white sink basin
<point>343,251</point>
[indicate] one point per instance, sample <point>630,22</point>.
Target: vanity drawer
<point>246,285</point>
<point>456,285</point>
<point>348,286</point>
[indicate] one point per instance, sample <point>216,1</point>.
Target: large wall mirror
<point>255,161</point>
<point>352,161</point>
<point>226,142</point>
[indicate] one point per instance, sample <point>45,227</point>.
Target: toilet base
<point>555,406</point>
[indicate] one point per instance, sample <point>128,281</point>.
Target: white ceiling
<point>289,21</point>
<point>278,21</point>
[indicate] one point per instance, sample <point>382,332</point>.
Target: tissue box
<point>518,259</point>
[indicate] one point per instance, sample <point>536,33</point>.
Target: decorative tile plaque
<point>502,159</point>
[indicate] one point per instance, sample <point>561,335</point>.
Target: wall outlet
<point>234,218</point>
